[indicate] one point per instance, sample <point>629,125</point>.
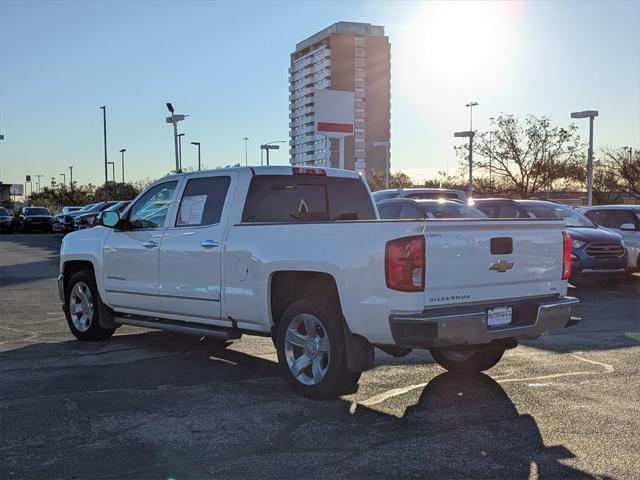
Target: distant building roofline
<point>343,27</point>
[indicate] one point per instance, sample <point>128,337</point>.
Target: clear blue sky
<point>225,64</point>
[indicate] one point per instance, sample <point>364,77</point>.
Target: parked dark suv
<point>6,224</point>
<point>595,252</point>
<point>34,218</point>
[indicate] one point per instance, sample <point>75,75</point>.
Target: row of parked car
<point>32,218</point>
<point>605,239</point>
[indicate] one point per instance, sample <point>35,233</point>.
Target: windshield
<point>452,210</point>
<point>96,207</point>
<point>36,211</point>
<point>3,212</point>
<point>571,217</point>
<point>383,195</point>
<point>86,207</point>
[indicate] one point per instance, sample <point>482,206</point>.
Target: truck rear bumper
<point>467,325</point>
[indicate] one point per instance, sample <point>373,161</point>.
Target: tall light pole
<point>270,146</point>
<point>64,179</point>
<point>38,182</point>
<point>471,105</point>
<point>246,151</point>
<point>387,163</point>
<point>174,119</point>
<point>591,114</point>
<point>180,135</point>
<point>113,175</point>
<point>198,145</point>
<point>470,134</point>
<point>104,129</point>
<point>630,152</point>
<point>122,152</point>
<point>492,120</point>
<point>71,183</point>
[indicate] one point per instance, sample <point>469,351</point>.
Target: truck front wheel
<point>467,361</point>
<point>82,308</point>
<point>311,351</point>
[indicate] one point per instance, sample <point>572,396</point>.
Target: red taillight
<point>404,264</point>
<point>566,256</point>
<point>309,171</point>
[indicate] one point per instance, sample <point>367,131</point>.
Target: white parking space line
<point>381,397</point>
<point>394,392</point>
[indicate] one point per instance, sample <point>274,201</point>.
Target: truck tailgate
<point>470,261</point>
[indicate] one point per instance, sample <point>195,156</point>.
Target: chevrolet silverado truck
<point>300,255</point>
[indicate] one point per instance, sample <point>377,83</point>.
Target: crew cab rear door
<point>190,254</point>
<point>482,260</point>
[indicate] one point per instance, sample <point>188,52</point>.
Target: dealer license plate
<point>499,316</point>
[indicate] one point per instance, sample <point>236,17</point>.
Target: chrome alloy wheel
<point>307,349</point>
<point>81,306</point>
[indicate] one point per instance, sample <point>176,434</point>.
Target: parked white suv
<point>624,220</point>
<point>299,255</point>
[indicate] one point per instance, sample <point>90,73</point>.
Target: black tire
<point>337,379</point>
<point>91,332</point>
<point>467,361</point>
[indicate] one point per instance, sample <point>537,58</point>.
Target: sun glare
<point>448,46</point>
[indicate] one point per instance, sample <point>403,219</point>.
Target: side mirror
<point>109,219</point>
<point>628,227</point>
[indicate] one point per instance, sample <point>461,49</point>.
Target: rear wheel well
<point>74,266</point>
<point>289,286</point>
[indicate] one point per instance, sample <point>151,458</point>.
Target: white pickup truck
<point>300,255</point>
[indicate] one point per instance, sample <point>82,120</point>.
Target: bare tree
<point>626,165</point>
<point>526,159</point>
<point>398,180</point>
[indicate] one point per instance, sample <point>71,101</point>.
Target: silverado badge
<point>501,266</point>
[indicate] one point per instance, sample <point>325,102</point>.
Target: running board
<point>178,327</point>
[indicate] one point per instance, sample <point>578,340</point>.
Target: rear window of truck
<point>306,198</point>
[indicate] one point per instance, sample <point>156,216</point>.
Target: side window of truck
<point>151,209</point>
<point>202,201</point>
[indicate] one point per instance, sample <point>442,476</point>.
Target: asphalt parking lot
<point>153,405</point>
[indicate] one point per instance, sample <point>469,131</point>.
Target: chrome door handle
<point>149,244</point>
<point>209,244</point>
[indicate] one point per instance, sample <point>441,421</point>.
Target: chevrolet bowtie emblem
<point>501,266</point>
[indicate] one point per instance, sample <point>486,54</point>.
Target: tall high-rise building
<point>346,56</point>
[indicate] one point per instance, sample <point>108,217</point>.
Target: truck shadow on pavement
<point>157,405</point>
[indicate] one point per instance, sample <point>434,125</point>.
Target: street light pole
<point>174,119</point>
<point>198,145</point>
<point>180,135</point>
<point>38,182</point>
<point>64,179</point>
<point>71,178</point>
<point>471,105</point>
<point>104,128</point>
<point>246,151</point>
<point>470,134</point>
<point>122,152</point>
<point>591,114</point>
<point>491,119</point>
<point>113,175</point>
<point>387,163</point>
<point>270,146</point>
